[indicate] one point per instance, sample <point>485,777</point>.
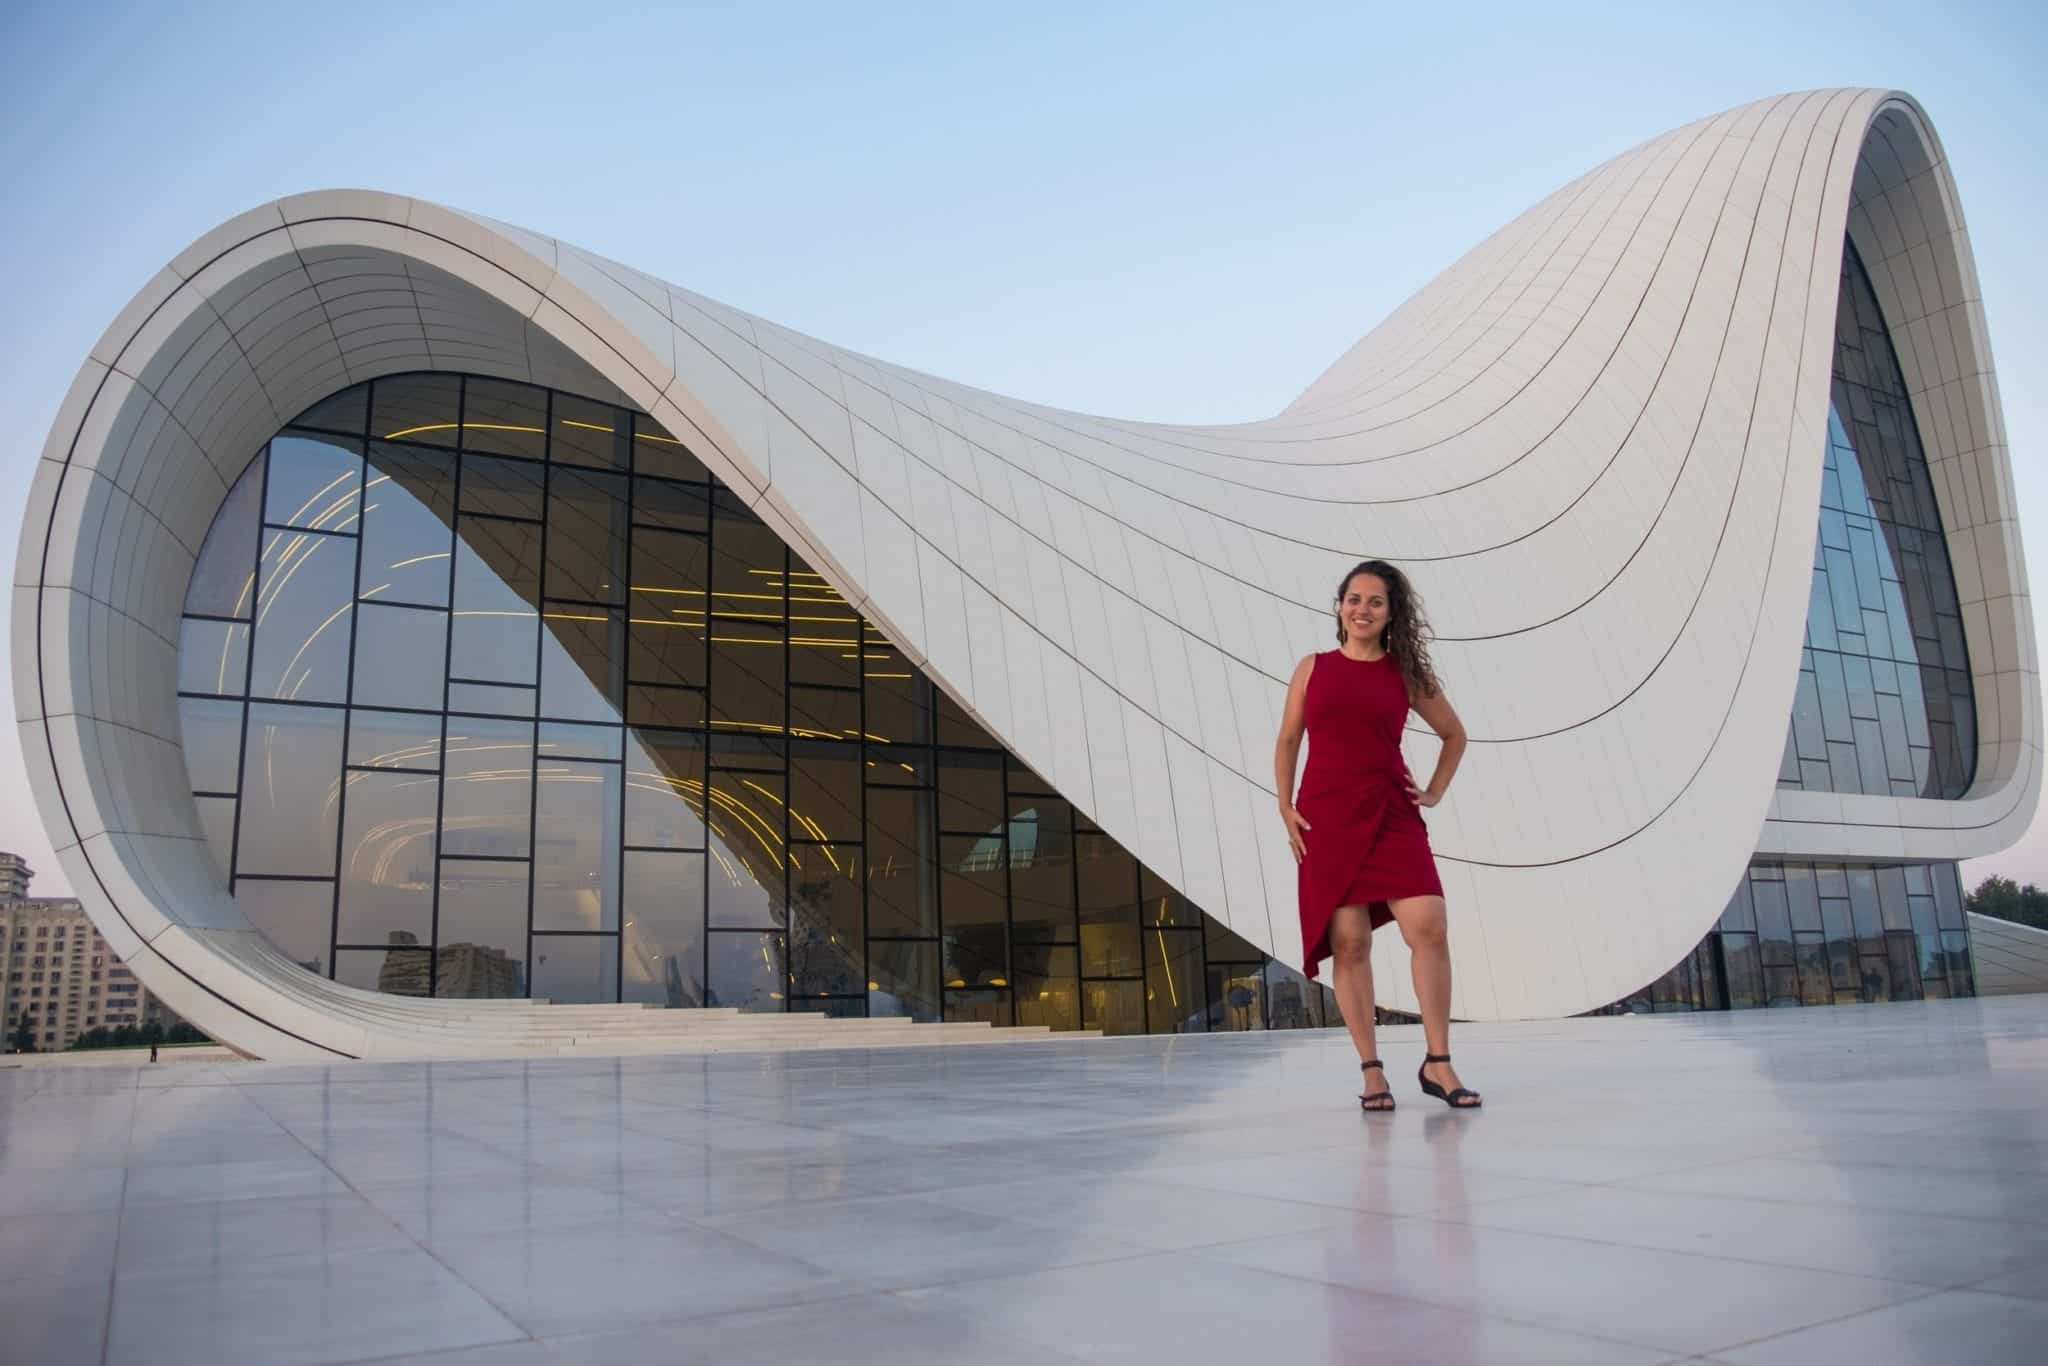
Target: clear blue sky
<point>1174,211</point>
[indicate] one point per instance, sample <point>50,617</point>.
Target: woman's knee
<point>1423,926</point>
<point>1351,940</point>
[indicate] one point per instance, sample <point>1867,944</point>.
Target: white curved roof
<point>1595,440</point>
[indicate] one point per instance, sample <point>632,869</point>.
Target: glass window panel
<point>1113,1007</point>
<point>492,699</point>
<point>821,714</point>
<point>567,740</point>
<point>576,847</point>
<point>296,917</point>
<point>746,969</point>
<point>1802,894</point>
<point>1042,870</point>
<point>903,979</point>
<point>224,578</point>
<point>1904,955</point>
<point>1108,880</point>
<point>497,582</point>
<point>1773,921</point>
<point>656,451</point>
<point>1236,997</point>
<point>314,481</point>
<point>1745,971</point>
<point>748,862</point>
<point>667,607</point>
<point>824,643</point>
<point>387,858</point>
<point>421,408</point>
<point>665,790</point>
<point>305,596</point>
<point>1816,985</point>
<point>1162,905</point>
<point>389,739</point>
<point>572,969</point>
<point>824,791</point>
<point>212,738</point>
<point>899,701</point>
<point>583,663</point>
<point>408,520</point>
<point>744,750</point>
<point>956,727</point>
<point>586,546</point>
<point>1842,969</point>
<point>901,864</point>
<point>505,418</point>
<point>346,411</point>
<point>1891,895</point>
<point>291,776</point>
<point>395,972</point>
<point>971,791</point>
<point>503,488</point>
<point>217,823</point>
<point>1048,987</point>
<point>482,929</point>
<point>1948,896</point>
<point>664,708</point>
<point>487,787</point>
<point>588,433</point>
<point>974,901</point>
<point>678,507</point>
<point>747,687</point>
<point>663,904</point>
<point>1175,984</point>
<point>987,1006</point>
<point>401,656</point>
<point>1864,912</point>
<point>826,921</point>
<point>1291,999</point>
<point>1955,946</point>
<point>747,564</point>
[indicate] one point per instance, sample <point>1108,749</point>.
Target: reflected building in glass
<point>416,614</point>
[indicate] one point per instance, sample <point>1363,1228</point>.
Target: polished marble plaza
<point>1864,1184</point>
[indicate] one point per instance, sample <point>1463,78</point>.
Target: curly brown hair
<point>1407,631</point>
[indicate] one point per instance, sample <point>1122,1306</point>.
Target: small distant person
<point>1358,834</point>
<point>152,1052</point>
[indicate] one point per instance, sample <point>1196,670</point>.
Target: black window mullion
<point>248,675</point>
<point>348,693</point>
<point>447,671</point>
<point>540,644</point>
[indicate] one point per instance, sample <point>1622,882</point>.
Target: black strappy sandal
<point>1376,1104</point>
<point>1451,1098</point>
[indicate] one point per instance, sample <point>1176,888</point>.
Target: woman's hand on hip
<point>1295,825</point>
<point>1421,796</point>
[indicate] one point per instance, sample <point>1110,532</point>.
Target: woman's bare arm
<point>1436,710</point>
<point>1287,752</point>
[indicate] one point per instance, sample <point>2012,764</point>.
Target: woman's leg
<point>1422,923</point>
<point>1351,980</point>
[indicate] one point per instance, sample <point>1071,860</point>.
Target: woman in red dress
<point>1356,825</point>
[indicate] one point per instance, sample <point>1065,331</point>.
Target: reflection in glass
<point>224,578</point>
<point>217,823</point>
<point>1048,988</point>
<point>497,592</point>
<point>1041,870</point>
<point>314,481</point>
<point>402,970</point>
<point>505,418</point>
<point>586,536</point>
<point>575,847</point>
<point>667,607</point>
<point>296,917</point>
<point>576,968</point>
<point>582,663</point>
<point>387,857</point>
<point>487,788</point>
<point>824,791</point>
<point>419,408</point>
<point>409,510</point>
<point>305,590</point>
<point>656,451</point>
<point>664,928</point>
<point>746,970</point>
<point>748,859</point>
<point>1175,995</point>
<point>588,433</point>
<point>291,785</point>
<point>212,733</point>
<point>665,790</point>
<point>747,676</point>
<point>389,739</point>
<point>493,699</point>
<point>346,411</point>
<point>503,488</point>
<point>825,920</point>
<point>401,656</point>
<point>213,656</point>
<point>904,979</point>
<point>481,948</point>
<point>901,843</point>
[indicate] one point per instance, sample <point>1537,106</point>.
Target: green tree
<point>25,1035</point>
<point>2004,899</point>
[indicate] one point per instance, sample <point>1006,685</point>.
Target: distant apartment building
<point>57,973</point>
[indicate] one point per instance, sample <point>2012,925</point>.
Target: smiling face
<point>1362,611</point>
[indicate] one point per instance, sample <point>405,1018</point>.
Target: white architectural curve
<point>1595,439</point>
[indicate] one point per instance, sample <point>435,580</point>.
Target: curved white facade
<point>1595,440</point>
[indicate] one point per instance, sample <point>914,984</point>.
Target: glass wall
<point>1817,934</point>
<point>490,690</point>
<point>1884,708</point>
<point>1884,704</point>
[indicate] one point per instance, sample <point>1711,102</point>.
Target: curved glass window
<point>528,703</point>
<point>1884,705</point>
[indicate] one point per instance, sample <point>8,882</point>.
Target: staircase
<point>539,1028</point>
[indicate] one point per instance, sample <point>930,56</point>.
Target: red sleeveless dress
<point>1366,841</point>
